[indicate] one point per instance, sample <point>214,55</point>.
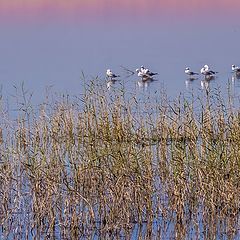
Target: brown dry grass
<point>102,166</point>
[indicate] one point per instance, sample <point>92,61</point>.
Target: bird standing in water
<point>111,75</point>
<point>209,74</point>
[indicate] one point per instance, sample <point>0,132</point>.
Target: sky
<point>92,9</point>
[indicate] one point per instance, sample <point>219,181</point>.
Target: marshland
<point>113,165</point>
<point>83,157</point>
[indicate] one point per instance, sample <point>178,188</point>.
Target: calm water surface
<point>48,45</point>
<point>53,43</point>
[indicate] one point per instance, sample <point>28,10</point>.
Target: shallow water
<point>45,44</point>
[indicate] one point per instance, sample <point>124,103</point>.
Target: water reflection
<point>205,84</point>
<point>192,75</point>
<point>189,82</point>
<point>235,83</point>
<point>235,76</point>
<point>192,78</point>
<point>145,82</point>
<point>54,53</point>
<point>110,83</point>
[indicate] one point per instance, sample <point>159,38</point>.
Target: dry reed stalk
<point>111,163</point>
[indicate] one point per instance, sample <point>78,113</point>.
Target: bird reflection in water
<point>235,76</point>
<point>205,83</point>
<point>188,83</point>
<point>191,76</point>
<point>144,82</point>
<point>110,83</point>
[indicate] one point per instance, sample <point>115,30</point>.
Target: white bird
<point>139,72</point>
<point>110,74</point>
<point>143,74</point>
<point>142,68</point>
<point>189,72</point>
<point>205,70</point>
<point>236,69</point>
<point>209,71</point>
<point>147,71</point>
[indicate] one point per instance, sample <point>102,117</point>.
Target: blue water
<point>57,53</point>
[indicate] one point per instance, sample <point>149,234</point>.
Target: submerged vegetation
<point>111,165</point>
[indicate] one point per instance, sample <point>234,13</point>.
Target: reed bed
<point>111,166</point>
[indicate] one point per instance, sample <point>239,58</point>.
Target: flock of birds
<point>142,72</point>
<point>146,75</point>
<point>208,73</point>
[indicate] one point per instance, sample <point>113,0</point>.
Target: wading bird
<point>189,72</point>
<point>110,74</point>
<point>209,74</point>
<point>147,71</point>
<point>235,69</point>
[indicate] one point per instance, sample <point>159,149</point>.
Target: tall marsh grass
<point>111,166</point>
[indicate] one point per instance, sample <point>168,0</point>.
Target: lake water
<point>51,43</point>
<point>54,43</point>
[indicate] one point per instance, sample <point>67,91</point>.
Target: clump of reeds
<point>105,164</point>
